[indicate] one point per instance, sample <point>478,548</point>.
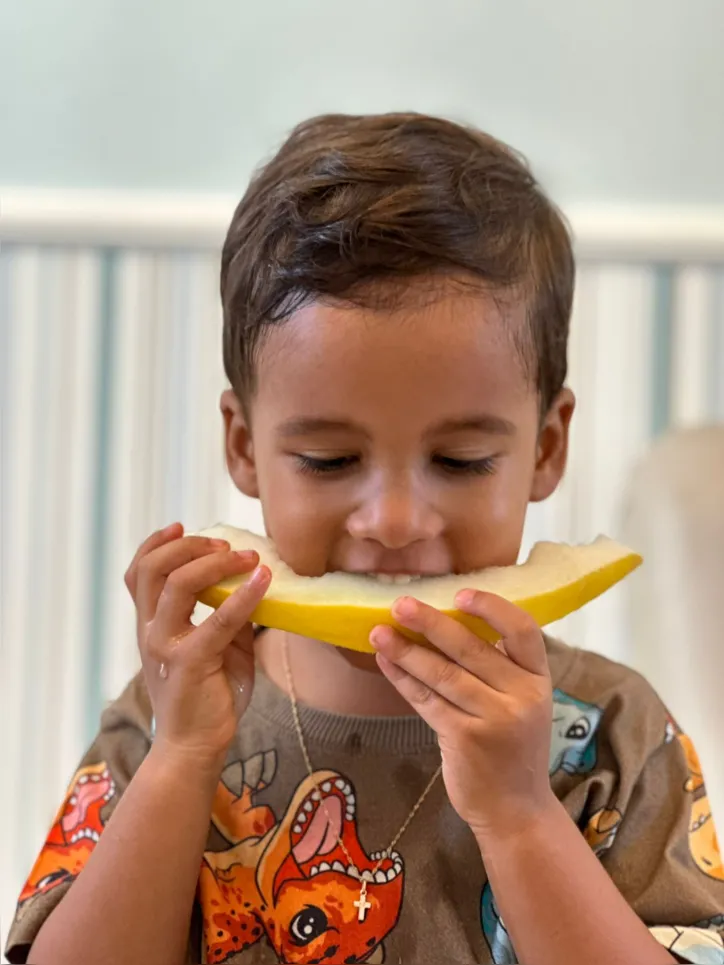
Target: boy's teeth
<point>396,578</point>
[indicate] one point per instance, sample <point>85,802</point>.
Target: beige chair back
<point>674,515</point>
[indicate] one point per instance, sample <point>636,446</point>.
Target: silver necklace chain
<point>367,876</point>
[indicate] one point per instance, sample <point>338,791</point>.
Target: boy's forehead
<point>454,353</point>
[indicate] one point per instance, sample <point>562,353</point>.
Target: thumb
<point>245,640</point>
<point>239,666</point>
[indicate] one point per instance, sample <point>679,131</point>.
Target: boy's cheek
<point>300,533</point>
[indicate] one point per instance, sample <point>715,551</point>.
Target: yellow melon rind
<point>350,626</point>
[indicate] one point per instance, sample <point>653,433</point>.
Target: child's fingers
<point>155,568</point>
<point>522,637</point>
<point>442,716</point>
<point>432,670</point>
<point>161,536</point>
<point>458,643</point>
<point>218,631</point>
<point>182,587</point>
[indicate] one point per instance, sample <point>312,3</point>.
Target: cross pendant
<point>362,905</point>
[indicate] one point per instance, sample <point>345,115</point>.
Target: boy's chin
<point>358,660</point>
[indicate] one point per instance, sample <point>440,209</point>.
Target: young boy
<point>396,294</point>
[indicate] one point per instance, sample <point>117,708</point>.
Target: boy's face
<point>396,442</point>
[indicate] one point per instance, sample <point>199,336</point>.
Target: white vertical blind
<point>111,377</point>
<point>693,338</point>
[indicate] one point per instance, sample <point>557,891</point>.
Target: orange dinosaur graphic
<point>601,830</point>
<point>289,881</point>
<point>75,831</point>
<point>703,843</point>
<point>696,776</point>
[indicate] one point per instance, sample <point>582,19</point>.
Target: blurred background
<point>128,132</point>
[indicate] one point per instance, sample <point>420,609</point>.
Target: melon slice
<point>342,608</point>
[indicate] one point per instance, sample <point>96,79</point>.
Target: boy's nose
<point>395,517</point>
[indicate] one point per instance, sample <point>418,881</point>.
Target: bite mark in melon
<point>342,608</point>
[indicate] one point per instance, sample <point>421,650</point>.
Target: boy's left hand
<point>491,709</point>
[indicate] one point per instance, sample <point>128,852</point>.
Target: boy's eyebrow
<point>490,424</point>
<point>308,426</point>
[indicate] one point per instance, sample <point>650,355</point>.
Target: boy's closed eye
<point>448,465</point>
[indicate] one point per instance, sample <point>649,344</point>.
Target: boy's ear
<point>239,447</point>
<point>552,453</point>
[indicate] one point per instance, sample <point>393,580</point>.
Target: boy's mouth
<point>399,577</point>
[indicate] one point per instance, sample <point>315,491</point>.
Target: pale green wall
<point>618,99</point>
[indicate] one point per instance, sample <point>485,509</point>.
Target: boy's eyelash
<point>465,467</point>
<point>318,467</point>
<point>455,467</point>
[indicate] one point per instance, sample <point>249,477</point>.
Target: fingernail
<point>246,555</point>
<point>169,528</point>
<point>259,577</point>
<point>219,542</point>
<point>378,636</point>
<point>465,598</point>
<point>405,607</point>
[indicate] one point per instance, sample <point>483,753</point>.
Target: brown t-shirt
<point>275,886</point>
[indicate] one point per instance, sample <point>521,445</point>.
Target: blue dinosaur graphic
<point>496,935</point>
<point>573,745</point>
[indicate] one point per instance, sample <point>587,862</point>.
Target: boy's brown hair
<point>349,202</point>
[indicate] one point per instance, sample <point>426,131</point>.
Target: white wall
<point>615,100</point>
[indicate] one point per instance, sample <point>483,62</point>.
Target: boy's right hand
<point>209,668</point>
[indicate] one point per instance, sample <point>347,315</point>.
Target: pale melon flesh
<point>342,608</point>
